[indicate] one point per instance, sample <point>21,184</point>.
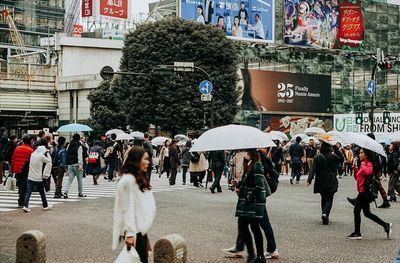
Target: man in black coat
<point>174,162</point>
<point>296,152</point>
<point>217,164</point>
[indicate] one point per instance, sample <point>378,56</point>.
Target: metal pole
<point>371,113</point>
<point>212,99</point>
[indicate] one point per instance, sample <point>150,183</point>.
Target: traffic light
<point>359,118</point>
<point>385,65</point>
<point>386,117</point>
<point>163,70</point>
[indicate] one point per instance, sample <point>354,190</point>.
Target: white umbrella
<point>116,131</point>
<point>158,141</point>
<point>301,135</point>
<point>232,137</point>
<point>363,141</point>
<point>307,140</point>
<point>278,135</point>
<point>124,136</point>
<point>314,130</point>
<point>138,135</point>
<point>181,137</point>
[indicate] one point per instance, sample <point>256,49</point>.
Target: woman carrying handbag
<point>135,208</point>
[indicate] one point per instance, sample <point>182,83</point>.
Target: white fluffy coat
<point>134,210</point>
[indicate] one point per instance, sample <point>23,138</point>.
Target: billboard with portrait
<point>251,20</point>
<point>332,24</point>
<point>271,91</point>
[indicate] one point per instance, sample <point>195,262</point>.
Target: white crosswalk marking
<point>9,200</point>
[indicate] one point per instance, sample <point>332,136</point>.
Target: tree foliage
<point>105,108</point>
<point>173,102</point>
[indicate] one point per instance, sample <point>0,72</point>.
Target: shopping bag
<point>102,163</point>
<point>10,183</point>
<point>126,256</point>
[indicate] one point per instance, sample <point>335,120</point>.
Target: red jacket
<point>366,170</point>
<point>20,157</point>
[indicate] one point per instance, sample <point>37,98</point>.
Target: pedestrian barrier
<point>170,249</point>
<point>31,247</point>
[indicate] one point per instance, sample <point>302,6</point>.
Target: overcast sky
<point>140,6</point>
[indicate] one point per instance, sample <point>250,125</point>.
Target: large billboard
<point>251,20</point>
<point>347,123</point>
<point>271,91</point>
<point>294,124</point>
<point>114,8</point>
<point>324,23</point>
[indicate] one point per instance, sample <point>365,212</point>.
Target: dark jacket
<point>277,154</point>
<point>324,170</point>
<point>149,149</point>
<point>393,162</point>
<point>217,160</point>
<point>95,168</point>
<point>10,151</point>
<point>185,156</point>
<point>174,161</point>
<point>117,148</point>
<point>296,151</point>
<point>62,156</point>
<point>252,194</point>
<point>72,152</point>
<point>311,151</point>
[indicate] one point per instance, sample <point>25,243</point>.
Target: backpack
<point>109,150</point>
<point>93,157</point>
<point>371,188</point>
<point>55,157</point>
<point>271,175</point>
<point>194,157</point>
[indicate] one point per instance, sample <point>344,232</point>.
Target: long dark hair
<point>254,157</point>
<point>325,148</point>
<point>132,166</point>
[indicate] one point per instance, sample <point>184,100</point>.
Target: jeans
<point>269,233</point>
<point>217,178</point>
<point>296,171</point>
<point>112,166</point>
<point>172,178</point>
<point>184,171</point>
<point>73,171</point>
<point>363,204</point>
<point>258,238</point>
<point>22,184</point>
<point>40,188</point>
<point>326,203</point>
<point>59,175</point>
<point>141,247</point>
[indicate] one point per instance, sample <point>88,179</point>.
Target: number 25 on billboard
<point>285,91</point>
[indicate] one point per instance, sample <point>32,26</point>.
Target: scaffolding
<point>15,35</point>
<point>72,15</point>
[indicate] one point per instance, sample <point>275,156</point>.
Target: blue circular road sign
<point>205,87</point>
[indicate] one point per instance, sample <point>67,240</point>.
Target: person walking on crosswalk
<point>60,166</point>
<point>75,165</point>
<point>39,157</point>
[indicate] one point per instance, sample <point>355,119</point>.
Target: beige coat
<point>201,166</point>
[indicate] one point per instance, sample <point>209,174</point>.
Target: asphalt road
<point>82,231</point>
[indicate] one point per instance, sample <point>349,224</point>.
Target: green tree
<point>173,102</point>
<point>105,108</point>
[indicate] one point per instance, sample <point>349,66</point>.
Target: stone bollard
<point>31,247</point>
<point>170,249</point>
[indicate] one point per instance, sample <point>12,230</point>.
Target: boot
<point>385,204</point>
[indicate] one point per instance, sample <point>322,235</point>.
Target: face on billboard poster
<point>239,19</point>
<point>268,91</point>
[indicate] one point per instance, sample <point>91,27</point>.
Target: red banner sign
<point>351,27</point>
<point>78,29</point>
<point>114,8</point>
<point>87,8</point>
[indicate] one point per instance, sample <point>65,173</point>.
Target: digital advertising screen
<point>251,20</point>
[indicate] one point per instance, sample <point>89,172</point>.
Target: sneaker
<point>212,191</point>
<point>26,209</point>
<point>385,204</point>
<point>233,252</point>
<point>325,219</point>
<point>47,208</point>
<point>81,195</point>
<point>388,230</point>
<point>272,255</point>
<point>65,195</point>
<point>354,236</point>
<point>291,180</point>
<point>57,196</point>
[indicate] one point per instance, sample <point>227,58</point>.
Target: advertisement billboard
<point>286,92</point>
<point>251,20</point>
<point>114,8</point>
<point>294,124</point>
<point>324,24</point>
<point>87,8</point>
<point>78,29</point>
<point>347,123</point>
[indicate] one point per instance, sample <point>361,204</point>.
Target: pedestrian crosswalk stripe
<point>9,199</point>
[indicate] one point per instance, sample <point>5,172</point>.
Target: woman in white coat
<point>135,208</point>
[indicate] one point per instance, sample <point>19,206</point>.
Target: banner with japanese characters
<point>324,24</point>
<point>114,8</point>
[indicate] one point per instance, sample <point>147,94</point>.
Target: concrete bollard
<point>170,249</point>
<point>31,247</point>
